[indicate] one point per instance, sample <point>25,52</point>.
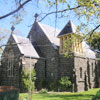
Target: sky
<point>31,8</point>
<point>41,8</point>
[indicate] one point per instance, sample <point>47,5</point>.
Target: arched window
<point>80,72</point>
<point>10,64</point>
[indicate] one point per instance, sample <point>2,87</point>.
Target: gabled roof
<point>37,49</point>
<point>25,46</point>
<point>69,28</point>
<point>51,33</point>
<point>89,52</point>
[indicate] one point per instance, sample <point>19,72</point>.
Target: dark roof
<point>69,28</point>
<point>51,33</point>
<point>25,46</point>
<point>37,49</point>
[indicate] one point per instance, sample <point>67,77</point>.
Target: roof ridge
<point>20,36</point>
<point>70,27</point>
<point>25,46</point>
<point>73,26</point>
<point>50,32</point>
<point>49,26</point>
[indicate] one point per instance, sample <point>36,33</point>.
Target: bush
<point>57,85</point>
<point>62,85</point>
<point>54,86</point>
<point>27,81</point>
<point>97,96</point>
<point>43,91</point>
<point>65,83</point>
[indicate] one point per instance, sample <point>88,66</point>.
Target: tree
<point>20,6</point>
<point>94,41</point>
<point>29,84</point>
<point>3,36</point>
<point>87,10</point>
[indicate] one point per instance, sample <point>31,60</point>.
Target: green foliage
<point>87,95</point>
<point>43,91</point>
<point>87,10</point>
<point>39,84</point>
<point>94,41</point>
<point>54,86</point>
<point>97,96</point>
<point>62,85</point>
<point>65,83</point>
<point>91,8</point>
<point>69,44</point>
<point>42,84</point>
<point>26,79</point>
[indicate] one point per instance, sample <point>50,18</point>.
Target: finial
<point>36,17</point>
<point>12,28</point>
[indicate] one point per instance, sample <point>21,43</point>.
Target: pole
<point>30,80</point>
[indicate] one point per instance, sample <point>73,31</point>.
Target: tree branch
<point>59,12</point>
<point>91,32</point>
<point>94,29</point>
<point>11,44</point>
<point>21,5</point>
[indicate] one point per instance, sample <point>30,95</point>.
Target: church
<point>44,45</point>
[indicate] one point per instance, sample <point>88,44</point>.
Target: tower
<point>67,33</point>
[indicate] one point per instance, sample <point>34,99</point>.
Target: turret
<point>67,33</point>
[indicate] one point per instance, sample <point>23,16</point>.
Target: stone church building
<point>44,47</point>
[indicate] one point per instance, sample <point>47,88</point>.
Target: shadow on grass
<point>68,97</point>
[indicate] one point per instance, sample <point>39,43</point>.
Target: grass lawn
<point>87,95</point>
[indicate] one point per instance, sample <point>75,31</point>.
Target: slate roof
<point>31,49</point>
<point>37,49</point>
<point>89,52</point>
<point>69,28</point>
<point>51,33</point>
<point>25,46</point>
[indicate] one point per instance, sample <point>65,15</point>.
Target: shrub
<point>97,96</point>
<point>38,84</point>
<point>55,85</point>
<point>26,79</point>
<point>43,91</point>
<point>41,84</point>
<point>62,85</point>
<point>65,83</point>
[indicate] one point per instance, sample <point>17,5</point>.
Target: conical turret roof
<point>69,28</point>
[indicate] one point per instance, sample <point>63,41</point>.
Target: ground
<point>87,95</point>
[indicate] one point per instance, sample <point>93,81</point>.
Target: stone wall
<point>26,62</point>
<point>66,66</point>
<point>81,81</point>
<point>5,78</point>
<point>89,73</point>
<point>40,68</point>
<point>98,71</point>
<point>49,52</point>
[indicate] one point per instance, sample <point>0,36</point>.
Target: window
<point>10,65</point>
<point>80,72</point>
<point>92,70</point>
